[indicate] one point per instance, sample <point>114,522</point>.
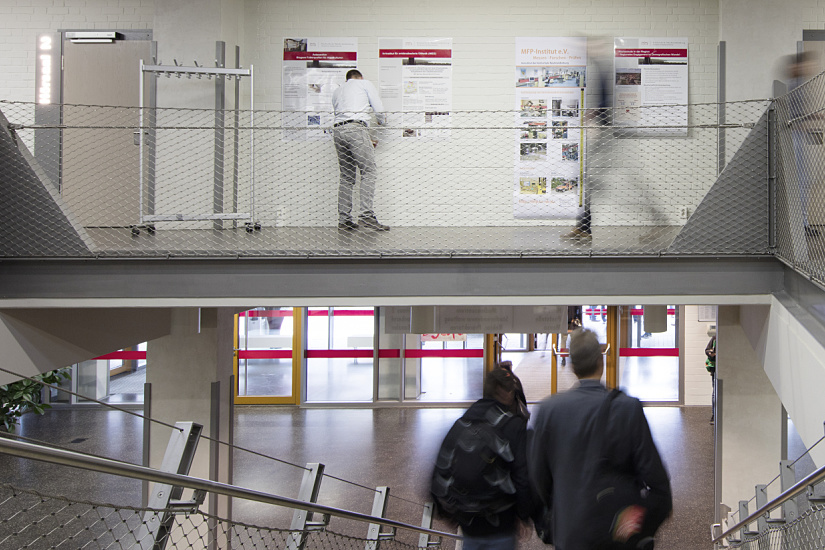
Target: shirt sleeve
<point>375,102</point>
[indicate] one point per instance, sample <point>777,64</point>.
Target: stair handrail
<point>797,489</point>
<point>125,469</point>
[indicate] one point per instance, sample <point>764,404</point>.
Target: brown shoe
<point>371,222</point>
<point>577,233</point>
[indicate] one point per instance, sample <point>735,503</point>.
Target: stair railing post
<point>761,500</point>
<point>154,532</point>
<point>302,520</point>
<point>379,508</point>
<point>424,541</point>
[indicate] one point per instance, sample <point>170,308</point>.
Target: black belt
<point>361,122</point>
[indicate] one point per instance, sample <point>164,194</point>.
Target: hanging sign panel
<point>416,85</point>
<point>312,69</point>
<point>651,85</point>
<point>549,154</point>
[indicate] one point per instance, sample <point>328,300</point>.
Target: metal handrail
<point>125,469</point>
<point>797,489</point>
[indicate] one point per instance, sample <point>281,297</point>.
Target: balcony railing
<point>488,183</point>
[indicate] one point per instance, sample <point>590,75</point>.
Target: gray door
<point>100,182</point>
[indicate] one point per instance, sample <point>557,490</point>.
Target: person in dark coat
<point>564,431</point>
<point>499,406</point>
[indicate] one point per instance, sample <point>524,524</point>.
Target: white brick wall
<point>22,20</point>
<point>698,387</point>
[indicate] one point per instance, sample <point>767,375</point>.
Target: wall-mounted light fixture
<point>92,37</point>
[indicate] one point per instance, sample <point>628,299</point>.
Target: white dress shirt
<point>352,100</point>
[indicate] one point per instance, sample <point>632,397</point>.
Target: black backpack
<point>472,471</point>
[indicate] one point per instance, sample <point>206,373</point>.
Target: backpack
<point>472,471</point>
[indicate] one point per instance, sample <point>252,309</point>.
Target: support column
<point>749,415</point>
<point>182,368</point>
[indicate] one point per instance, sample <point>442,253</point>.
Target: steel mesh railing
<point>258,184</point>
<point>800,168</point>
<point>32,519</point>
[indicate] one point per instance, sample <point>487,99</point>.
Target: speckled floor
<point>365,447</point>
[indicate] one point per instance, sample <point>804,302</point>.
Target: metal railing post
<point>761,500</point>
<point>301,519</point>
<point>154,532</point>
<point>790,509</point>
<point>379,508</point>
<point>424,541</point>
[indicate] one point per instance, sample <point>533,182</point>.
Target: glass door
<point>339,357</point>
<point>266,369</point>
<point>649,361</point>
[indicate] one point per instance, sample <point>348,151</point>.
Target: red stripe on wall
<point>419,353</point>
<point>649,352</point>
<point>125,355</point>
<point>265,354</point>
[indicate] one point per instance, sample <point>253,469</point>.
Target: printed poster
<point>550,85</point>
<point>651,85</point>
<point>415,81</point>
<point>312,69</point>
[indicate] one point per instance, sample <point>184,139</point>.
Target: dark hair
<point>585,352</point>
<point>498,378</point>
<point>354,73</point>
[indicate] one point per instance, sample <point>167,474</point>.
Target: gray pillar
<point>749,419</point>
<point>182,368</point>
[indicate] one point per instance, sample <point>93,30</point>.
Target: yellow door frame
<point>297,354</point>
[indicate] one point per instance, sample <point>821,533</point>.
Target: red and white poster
<point>415,81</point>
<point>550,101</point>
<point>651,85</point>
<point>312,69</point>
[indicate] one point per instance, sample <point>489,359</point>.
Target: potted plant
<point>24,395</point>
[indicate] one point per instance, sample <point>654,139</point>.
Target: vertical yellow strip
<point>612,359</point>
<point>554,362</point>
<point>297,351</point>
<point>235,360</point>
<point>490,352</point>
<point>581,149</point>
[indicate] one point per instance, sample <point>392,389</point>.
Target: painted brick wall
<point>22,20</point>
<point>698,387</point>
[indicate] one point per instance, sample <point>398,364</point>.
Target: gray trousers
<point>355,150</point>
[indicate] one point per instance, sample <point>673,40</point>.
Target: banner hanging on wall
<point>550,98</point>
<point>415,81</point>
<point>651,85</point>
<point>312,69</point>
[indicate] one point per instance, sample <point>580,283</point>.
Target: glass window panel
<point>650,378</point>
<point>340,379</point>
<point>265,329</point>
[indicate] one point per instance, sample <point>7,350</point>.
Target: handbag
<point>617,502</point>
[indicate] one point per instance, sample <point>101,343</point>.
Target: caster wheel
<point>257,226</point>
<point>135,231</point>
<point>250,228</point>
<point>150,229</point>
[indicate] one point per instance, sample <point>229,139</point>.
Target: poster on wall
<point>549,157</point>
<point>415,81</point>
<point>312,69</point>
<point>651,85</point>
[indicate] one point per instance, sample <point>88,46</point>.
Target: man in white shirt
<point>351,103</point>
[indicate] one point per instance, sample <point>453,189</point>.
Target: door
<point>100,161</point>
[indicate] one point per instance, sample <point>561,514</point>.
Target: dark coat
<point>564,431</point>
<point>514,430</point>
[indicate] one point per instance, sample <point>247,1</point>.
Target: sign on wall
<point>312,69</point>
<point>549,156</point>
<point>651,85</point>
<point>415,81</point>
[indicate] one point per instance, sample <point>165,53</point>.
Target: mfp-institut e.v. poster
<point>549,153</point>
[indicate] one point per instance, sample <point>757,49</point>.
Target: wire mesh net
<point>800,167</point>
<point>31,519</point>
<point>807,532</point>
<point>126,182</point>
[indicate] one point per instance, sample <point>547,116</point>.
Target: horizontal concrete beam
<point>234,282</point>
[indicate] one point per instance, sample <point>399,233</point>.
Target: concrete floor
<point>365,447</point>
